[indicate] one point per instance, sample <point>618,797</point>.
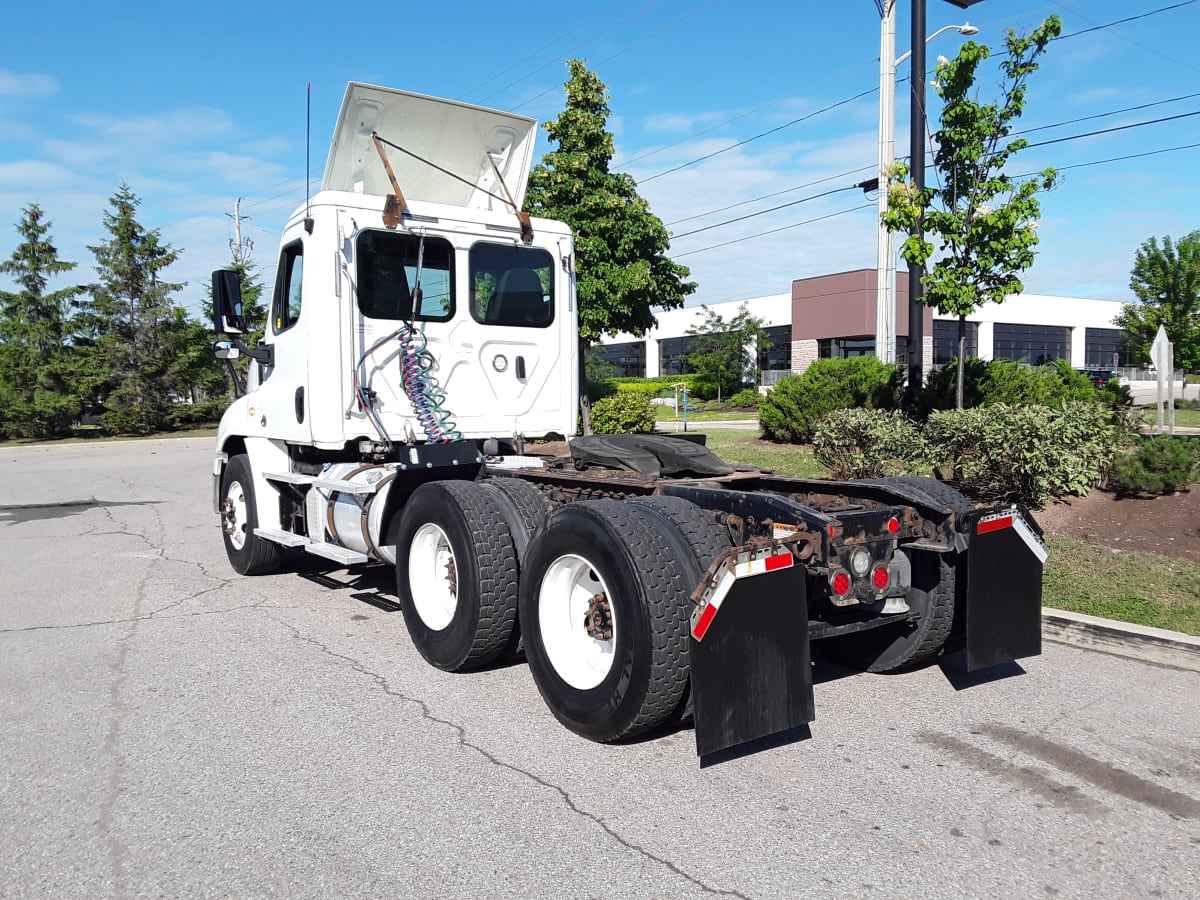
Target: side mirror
<point>226,350</point>
<point>227,302</point>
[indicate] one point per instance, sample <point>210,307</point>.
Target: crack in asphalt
<point>461,737</point>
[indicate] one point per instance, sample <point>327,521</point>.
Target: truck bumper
<point>1003,586</point>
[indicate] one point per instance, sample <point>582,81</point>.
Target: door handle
<point>521,368</point>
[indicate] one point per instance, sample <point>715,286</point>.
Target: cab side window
<point>289,283</point>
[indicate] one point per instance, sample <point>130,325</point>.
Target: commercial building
<point>834,316</point>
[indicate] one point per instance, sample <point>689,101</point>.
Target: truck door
<point>280,405</point>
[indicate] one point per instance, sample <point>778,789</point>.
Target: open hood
<point>455,136</point>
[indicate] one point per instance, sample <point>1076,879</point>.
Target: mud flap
<point>1004,589</point>
<point>751,673</point>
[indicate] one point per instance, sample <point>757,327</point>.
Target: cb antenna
<point>308,222</point>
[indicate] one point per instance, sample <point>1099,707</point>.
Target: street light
<point>885,288</point>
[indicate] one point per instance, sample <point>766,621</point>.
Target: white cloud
<point>179,126</point>
<point>16,84</point>
<point>24,172</point>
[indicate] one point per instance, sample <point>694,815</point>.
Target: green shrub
<point>203,412</point>
<point>697,387</point>
<point>625,412</point>
<point>1027,453</point>
<point>868,443</point>
<point>791,409</point>
<point>748,398</point>
<point>1003,381</point>
<point>1157,465</point>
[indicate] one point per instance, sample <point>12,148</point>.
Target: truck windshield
<point>512,285</point>
<point>387,274</point>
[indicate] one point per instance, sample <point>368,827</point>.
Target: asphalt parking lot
<point>168,728</point>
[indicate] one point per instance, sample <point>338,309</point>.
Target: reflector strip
<point>986,525</point>
<point>1018,524</point>
<point>706,611</point>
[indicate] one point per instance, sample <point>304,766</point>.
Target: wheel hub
<point>598,619</point>
<point>452,576</point>
<point>228,516</point>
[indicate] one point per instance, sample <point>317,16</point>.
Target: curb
<point>1153,645</point>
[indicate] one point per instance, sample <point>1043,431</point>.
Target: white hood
<point>456,136</point>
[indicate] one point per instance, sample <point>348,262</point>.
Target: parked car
<point>1099,377</point>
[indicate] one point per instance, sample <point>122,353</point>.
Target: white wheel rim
<point>581,659</point>
<point>235,515</point>
<point>432,576</point>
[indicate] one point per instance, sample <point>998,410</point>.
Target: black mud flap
<point>751,672</point>
<point>1004,588</point>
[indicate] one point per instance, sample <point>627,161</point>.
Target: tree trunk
<point>962,343</point>
<point>585,403</point>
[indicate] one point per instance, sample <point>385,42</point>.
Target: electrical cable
<point>799,187</point>
<point>763,212</point>
<point>775,230</point>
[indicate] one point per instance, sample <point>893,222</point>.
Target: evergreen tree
<point>36,397</point>
<point>621,264</point>
<point>133,328</point>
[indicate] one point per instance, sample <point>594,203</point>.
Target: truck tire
<point>524,508</point>
<point>706,539</point>
<point>523,505</point>
<point>248,553</point>
<point>605,613</point>
<point>939,493</point>
<point>894,647</point>
<point>456,574</point>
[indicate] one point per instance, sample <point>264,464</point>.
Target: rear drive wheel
<point>524,508</point>
<point>248,553</point>
<point>456,574</point>
<point>605,615</point>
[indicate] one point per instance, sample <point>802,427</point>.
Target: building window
<point>844,348</point>
<point>945,340</point>
<point>775,353</point>
<point>1105,348</point>
<point>673,354</point>
<point>1034,344</point>
<point>627,360</point>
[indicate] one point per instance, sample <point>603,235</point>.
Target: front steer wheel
<point>248,553</point>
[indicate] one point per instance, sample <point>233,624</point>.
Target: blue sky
<point>195,105</point>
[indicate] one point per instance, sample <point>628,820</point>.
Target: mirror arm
<point>264,354</point>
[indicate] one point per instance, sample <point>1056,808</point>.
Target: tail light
<point>841,584</point>
<point>880,578</point>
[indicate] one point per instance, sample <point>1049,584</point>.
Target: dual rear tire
<point>600,588</point>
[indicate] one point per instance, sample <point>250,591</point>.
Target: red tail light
<point>880,578</point>
<point>841,583</point>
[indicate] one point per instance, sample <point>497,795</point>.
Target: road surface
<point>168,728</point>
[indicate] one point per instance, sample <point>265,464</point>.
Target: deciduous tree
<point>1166,281</point>
<point>979,223</point>
<point>724,351</point>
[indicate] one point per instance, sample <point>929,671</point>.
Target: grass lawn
<point>1126,585</point>
<point>737,446</point>
<point>1186,418</point>
<point>667,414</point>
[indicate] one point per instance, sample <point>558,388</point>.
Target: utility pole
<point>885,276</point>
<point>241,248</point>
<point>916,150</point>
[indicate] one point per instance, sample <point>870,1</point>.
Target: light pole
<point>885,279</point>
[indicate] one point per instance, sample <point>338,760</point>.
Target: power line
<point>775,230</point>
<point>799,187</point>
<point>1103,115</point>
<point>625,49</point>
<point>637,12</point>
<point>526,59</point>
<point>763,212</point>
<point>1075,137</point>
<point>1152,12</point>
<point>763,134</point>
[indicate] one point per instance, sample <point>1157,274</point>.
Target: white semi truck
<point>422,336</point>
